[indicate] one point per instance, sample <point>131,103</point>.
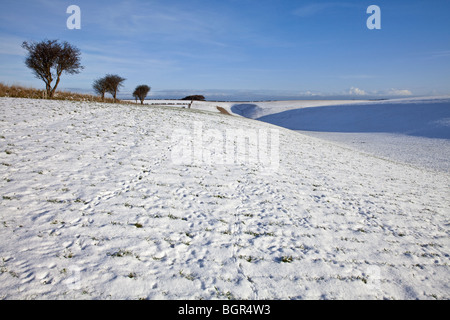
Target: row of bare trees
<point>49,59</point>
<point>111,84</point>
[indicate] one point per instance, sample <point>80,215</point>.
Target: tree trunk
<point>48,88</point>
<point>48,92</point>
<point>48,83</point>
<point>54,88</point>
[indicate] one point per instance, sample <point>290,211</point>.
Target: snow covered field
<point>421,152</point>
<point>97,202</point>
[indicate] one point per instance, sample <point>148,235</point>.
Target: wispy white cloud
<point>356,92</point>
<point>11,45</point>
<point>126,61</point>
<point>316,8</point>
<point>356,76</point>
<point>399,92</point>
<point>392,92</point>
<point>158,20</point>
<point>440,54</point>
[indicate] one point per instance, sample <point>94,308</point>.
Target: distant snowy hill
<point>252,110</point>
<point>423,117</point>
<point>414,130</point>
<point>255,110</point>
<point>417,117</point>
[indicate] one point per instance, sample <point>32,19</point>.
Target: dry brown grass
<point>223,111</point>
<point>15,91</point>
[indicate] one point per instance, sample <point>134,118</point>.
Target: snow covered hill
<point>102,201</point>
<point>415,131</point>
<point>254,109</point>
<point>416,117</point>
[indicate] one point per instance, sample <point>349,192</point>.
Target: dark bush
<point>141,92</point>
<point>194,98</point>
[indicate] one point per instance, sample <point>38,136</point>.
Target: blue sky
<point>241,49</point>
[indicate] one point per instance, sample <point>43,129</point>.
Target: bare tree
<point>113,83</point>
<point>100,87</point>
<point>48,59</point>
<point>141,92</point>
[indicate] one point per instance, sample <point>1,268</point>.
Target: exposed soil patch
<point>222,110</point>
